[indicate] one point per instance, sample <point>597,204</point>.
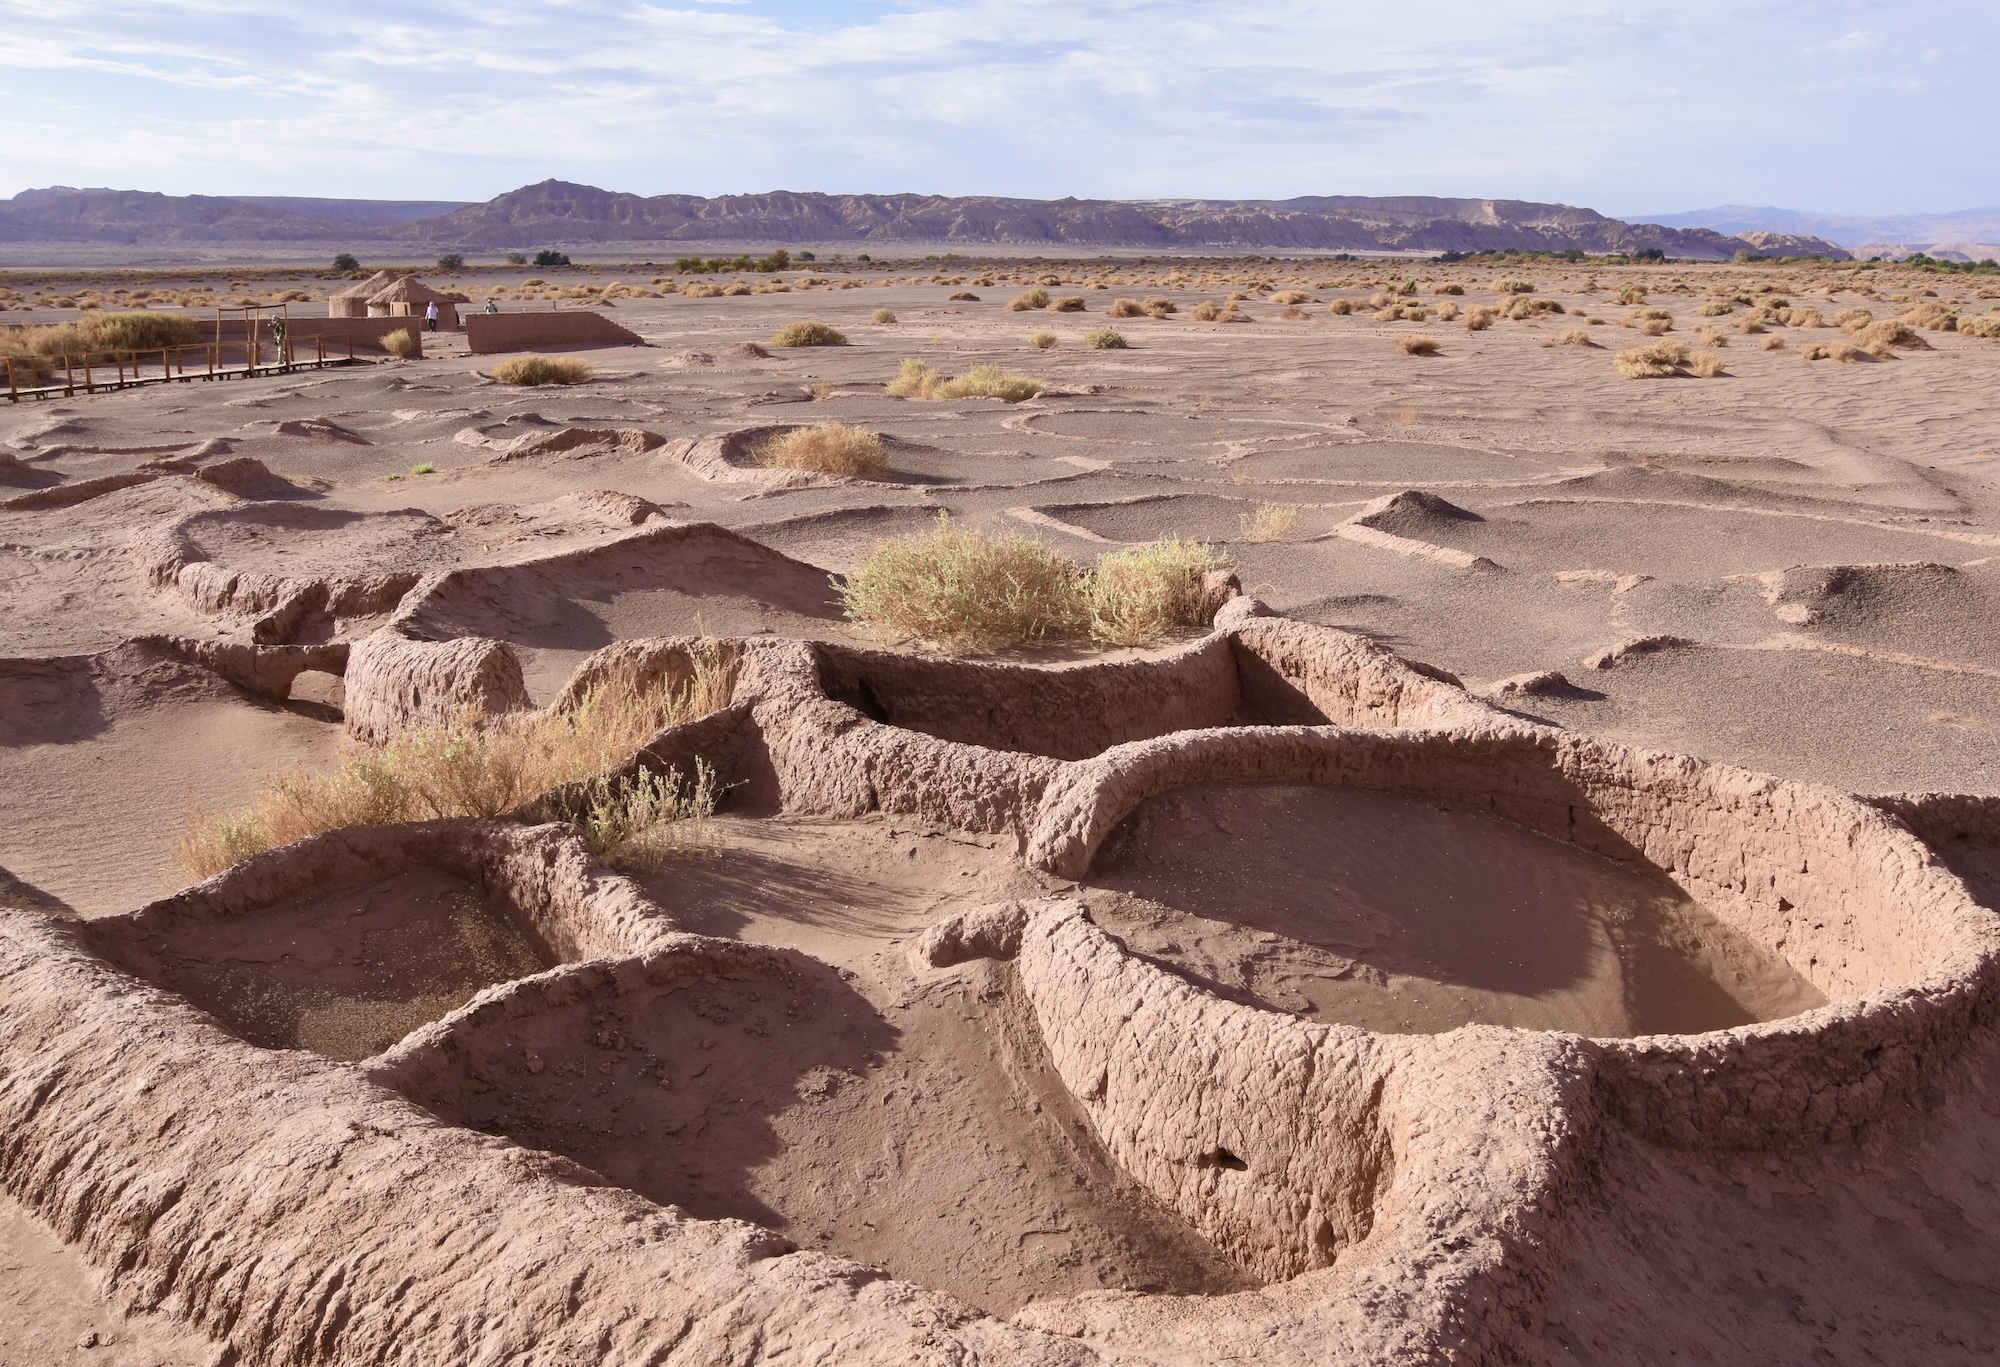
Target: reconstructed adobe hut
<point>388,295</point>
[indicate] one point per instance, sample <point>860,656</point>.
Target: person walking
<point>431,316</point>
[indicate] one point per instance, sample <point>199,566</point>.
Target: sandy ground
<point>1819,542</point>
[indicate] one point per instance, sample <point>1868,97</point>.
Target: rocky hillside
<point>558,213</point>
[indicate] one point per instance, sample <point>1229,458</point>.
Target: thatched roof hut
<point>352,302</point>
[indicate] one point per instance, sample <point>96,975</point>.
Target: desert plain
<point>1544,914</point>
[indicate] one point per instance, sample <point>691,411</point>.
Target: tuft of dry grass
<point>1576,337</point>
<point>1774,344</point>
<point>540,370</point>
<point>965,591</point>
<point>882,316</point>
<point>1145,594</point>
<point>1042,341</point>
<point>1208,311</point>
<point>474,768</point>
<point>1447,311</point>
<point>919,381</point>
<point>1480,317</point>
<point>1037,298</point>
<point>1853,318</point>
<point>1524,309</point>
<point>1343,307</point>
<point>1449,289</point>
<point>830,448</point>
<point>1631,295</point>
<point>1706,364</point>
<point>1270,522</point>
<point>1125,308</point>
<point>1712,336</point>
<point>1104,339</point>
<point>808,332</point>
<point>1659,361</point>
<point>1417,346</point>
<point>1717,308</point>
<point>700,289</point>
<point>1159,307</point>
<point>1291,297</point>
<point>1987,326</point>
<point>1804,317</point>
<point>400,343</point>
<point>1514,286</point>
<point>1884,337</point>
<point>1074,303</point>
<point>963,297</point>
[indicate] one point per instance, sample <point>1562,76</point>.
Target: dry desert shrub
<point>1712,336</point>
<point>1449,289</point>
<point>1706,364</point>
<point>1403,313</point>
<point>1291,297</point>
<point>1631,295</point>
<point>1514,286</point>
<point>1074,303</point>
<point>1208,311</point>
<point>534,371</point>
<point>1811,351</point>
<point>1774,344</point>
<point>1270,522</point>
<point>1292,313</point>
<point>1125,308</point>
<point>1104,339</point>
<point>1037,298</point>
<point>1380,301</point>
<point>736,288</point>
<point>1480,317</point>
<point>1716,308</point>
<point>1160,308</point>
<point>1655,327</point>
<point>1042,341</point>
<point>401,343</point>
<point>1932,317</point>
<point>919,381</point>
<point>965,591</point>
<point>478,767</point>
<point>1447,311</point>
<point>1576,337</point>
<point>639,824</point>
<point>882,316</point>
<point>963,297</point>
<point>830,448</point>
<point>1145,594</point>
<point>1659,361</point>
<point>1853,318</point>
<point>1804,317</point>
<point>700,289</point>
<point>1885,337</point>
<point>1987,326</point>
<point>1417,346</point>
<point>1751,325</point>
<point>808,332</point>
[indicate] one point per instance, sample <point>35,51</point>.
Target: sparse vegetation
<point>1987,326</point>
<point>1074,303</point>
<point>423,468</point>
<point>1659,361</point>
<point>1160,308</point>
<point>1447,312</point>
<point>1417,346</point>
<point>1042,341</point>
<point>478,767</point>
<point>541,370</point>
<point>1342,307</point>
<point>345,263</point>
<point>1270,522</point>
<point>1145,594</point>
<point>881,316</point>
<point>1576,337</point>
<point>1480,317</point>
<point>1514,286</point>
<point>639,824</point>
<point>1037,298</point>
<point>808,333</point>
<point>1706,364</point>
<point>1125,308</point>
<point>830,448</point>
<point>1104,339</point>
<point>964,591</point>
<point>919,381</point>
<point>400,343</point>
<point>1886,336</point>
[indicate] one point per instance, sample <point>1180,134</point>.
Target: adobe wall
<point>487,333</point>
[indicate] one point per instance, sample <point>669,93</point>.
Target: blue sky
<point>1628,106</point>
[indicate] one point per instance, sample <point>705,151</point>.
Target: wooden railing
<point>90,372</point>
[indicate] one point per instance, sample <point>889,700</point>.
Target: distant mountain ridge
<point>1944,235</point>
<point>560,213</point>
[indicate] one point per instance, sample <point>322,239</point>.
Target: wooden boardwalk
<point>53,377</point>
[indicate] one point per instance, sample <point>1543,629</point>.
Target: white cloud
<point>1635,105</point>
